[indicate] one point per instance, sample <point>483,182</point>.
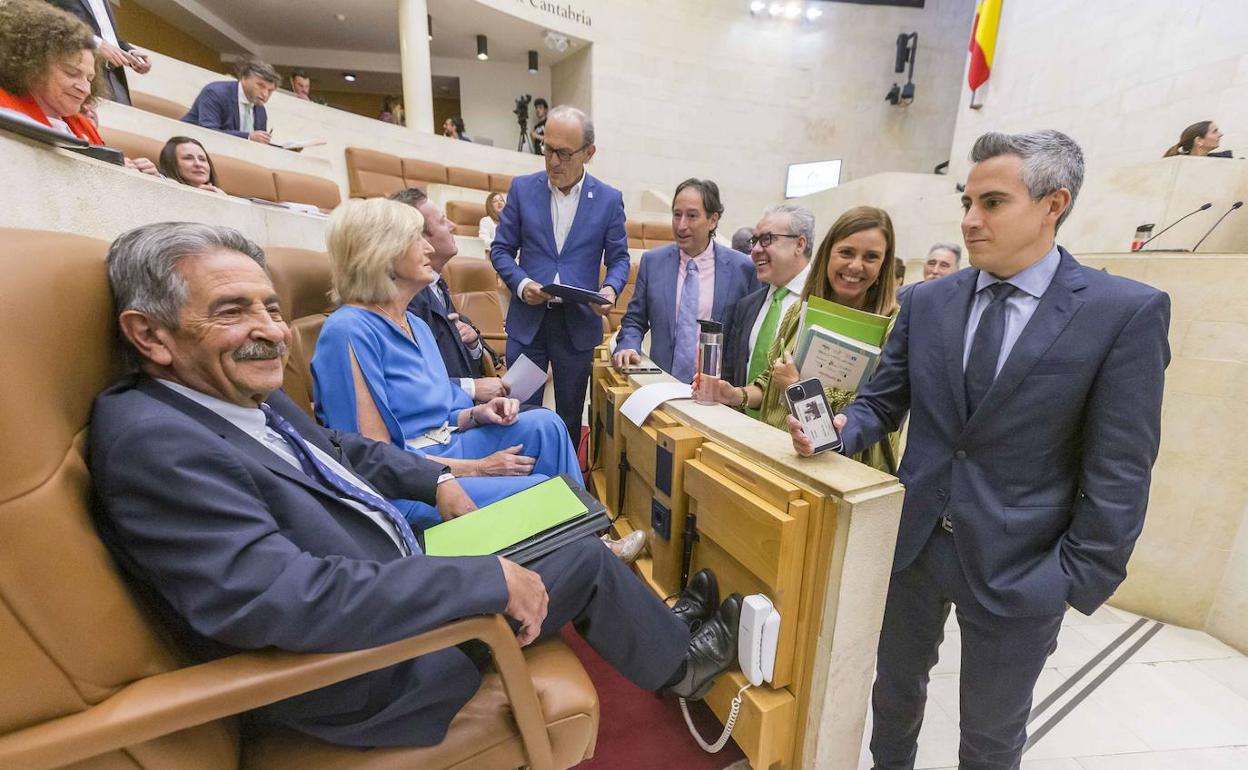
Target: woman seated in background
<point>1199,140</point>
<point>854,266</point>
<point>185,160</point>
<point>392,111</point>
<point>377,370</point>
<point>48,67</point>
<point>494,203</point>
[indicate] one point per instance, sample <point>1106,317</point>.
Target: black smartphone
<point>810,406</point>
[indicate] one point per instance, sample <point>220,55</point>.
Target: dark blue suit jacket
<point>1047,482</point>
<point>216,107</point>
<point>738,322</point>
<point>597,237</point>
<point>653,305</point>
<point>241,550</point>
<point>455,354</point>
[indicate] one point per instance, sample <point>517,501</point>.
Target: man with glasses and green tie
<point>781,251</point>
<point>564,224</point>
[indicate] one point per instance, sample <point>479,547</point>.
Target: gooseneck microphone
<point>1234,206</point>
<point>1172,224</point>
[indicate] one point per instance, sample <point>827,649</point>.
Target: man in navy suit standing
<point>1034,388</point>
<point>564,224</point>
<point>117,53</point>
<point>237,107</point>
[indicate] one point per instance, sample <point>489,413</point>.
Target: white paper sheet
<point>647,398</point>
<point>523,378</point>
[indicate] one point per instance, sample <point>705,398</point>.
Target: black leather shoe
<point>696,604</point>
<point>712,651</point>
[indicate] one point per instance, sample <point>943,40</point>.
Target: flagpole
<point>975,94</point>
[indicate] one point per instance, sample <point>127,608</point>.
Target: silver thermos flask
<point>710,361</point>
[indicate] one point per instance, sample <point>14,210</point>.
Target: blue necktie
<point>981,364</point>
<point>319,471</point>
<point>684,358</point>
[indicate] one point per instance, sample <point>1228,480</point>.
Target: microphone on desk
<point>1172,224</point>
<point>1234,206</point>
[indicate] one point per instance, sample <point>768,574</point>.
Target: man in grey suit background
<point>680,283</point>
<point>1034,389</point>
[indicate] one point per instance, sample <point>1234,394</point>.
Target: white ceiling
<point>370,26</point>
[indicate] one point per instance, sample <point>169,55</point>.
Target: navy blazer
<point>597,237</point>
<point>216,107</point>
<point>738,322</point>
<point>653,305</point>
<point>1047,482</point>
<point>455,354</point>
<point>241,550</point>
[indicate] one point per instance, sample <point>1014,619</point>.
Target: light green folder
<point>507,522</point>
<point>856,324</point>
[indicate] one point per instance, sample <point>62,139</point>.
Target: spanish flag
<point>983,41</point>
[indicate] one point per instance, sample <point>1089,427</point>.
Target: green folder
<point>511,520</point>
<point>856,324</point>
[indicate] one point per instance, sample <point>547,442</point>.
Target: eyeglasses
<point>563,155</point>
<point>766,239</point>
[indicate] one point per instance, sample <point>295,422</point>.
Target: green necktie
<point>766,333</point>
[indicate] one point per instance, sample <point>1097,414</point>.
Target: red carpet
<point>639,730</point>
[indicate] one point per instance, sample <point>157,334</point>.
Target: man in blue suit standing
<point>1034,388</point>
<point>679,284</point>
<point>564,224</point>
<point>237,107</point>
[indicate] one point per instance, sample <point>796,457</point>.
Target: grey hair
<point>953,248</point>
<point>568,111</point>
<point>801,219</point>
<point>1051,161</point>
<point>741,240</point>
<point>143,264</point>
<point>260,69</point>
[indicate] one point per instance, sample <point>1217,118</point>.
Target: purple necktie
<point>319,471</point>
<point>684,358</point>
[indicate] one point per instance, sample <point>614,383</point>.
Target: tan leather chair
<point>467,178</point>
<point>373,174</point>
<point>302,280</point>
<point>500,182</point>
<point>466,216</point>
<point>474,290</point>
<point>657,234</point>
<point>158,105</point>
<point>621,304</point>
<point>422,173</point>
<point>244,179</point>
<point>132,145</point>
<point>89,681</point>
<point>636,234</point>
<point>294,187</point>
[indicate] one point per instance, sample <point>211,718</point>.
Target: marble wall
<point>1122,77</point>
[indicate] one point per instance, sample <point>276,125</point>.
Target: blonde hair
<point>365,238</point>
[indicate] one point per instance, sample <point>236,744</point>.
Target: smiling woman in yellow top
<point>854,266</point>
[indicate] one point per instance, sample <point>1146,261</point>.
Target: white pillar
<point>416,68</point>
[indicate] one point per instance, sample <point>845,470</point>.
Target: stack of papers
<point>838,345</point>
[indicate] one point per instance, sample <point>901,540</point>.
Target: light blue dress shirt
<point>1031,283</point>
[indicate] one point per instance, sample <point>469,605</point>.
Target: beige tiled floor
<point>1180,702</point>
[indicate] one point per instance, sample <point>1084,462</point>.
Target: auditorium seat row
<point>128,698</point>
<point>239,177</point>
<point>373,174</point>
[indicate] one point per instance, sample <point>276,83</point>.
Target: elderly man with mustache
<point>254,527</point>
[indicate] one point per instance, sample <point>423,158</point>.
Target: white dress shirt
<point>1031,283</point>
<point>250,420</point>
<point>99,10</point>
<point>246,112</point>
<point>562,212</point>
<point>795,287</point>
<point>485,231</point>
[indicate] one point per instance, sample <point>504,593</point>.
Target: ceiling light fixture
<point>340,16</point>
<point>757,7</point>
<point>792,11</point>
<point>813,13</point>
<point>532,62</point>
<point>775,9</point>
<point>555,41</point>
<point>429,24</point>
<point>347,76</point>
<point>483,52</point>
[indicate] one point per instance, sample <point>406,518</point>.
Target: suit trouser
<point>553,345</point>
<point>1001,659</point>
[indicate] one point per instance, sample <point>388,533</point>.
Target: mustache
<point>260,350</point>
